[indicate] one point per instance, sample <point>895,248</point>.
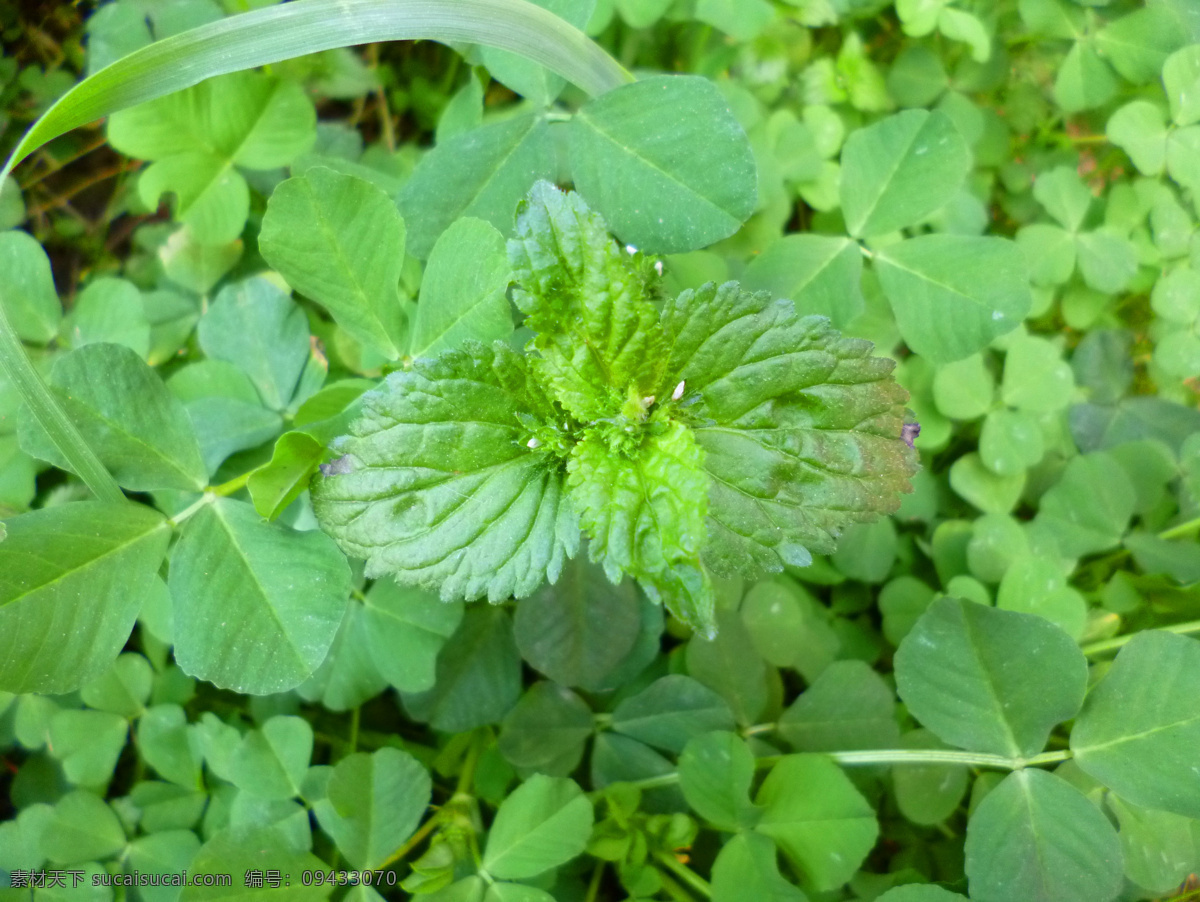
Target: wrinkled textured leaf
<point>436,480</point>
<point>645,515</point>
<point>598,337</point>
<point>801,429</point>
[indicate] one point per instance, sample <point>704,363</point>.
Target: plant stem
<point>674,890</point>
<point>355,716</point>
<point>413,841</point>
<point>926,756</point>
<point>593,889</point>
<point>233,485</point>
<point>60,200</point>
<point>684,873</point>
<point>896,756</point>
<point>1099,648</point>
<point>54,165</point>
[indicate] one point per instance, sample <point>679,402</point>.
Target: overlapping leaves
<point>729,433</point>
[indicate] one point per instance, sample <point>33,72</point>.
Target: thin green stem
<point>1049,758</point>
<point>674,890</point>
<point>1105,645</point>
<point>893,756</point>
<point>234,485</point>
<point>925,756</point>
<point>593,890</point>
<point>413,841</point>
<point>684,873</point>
<point>355,716</point>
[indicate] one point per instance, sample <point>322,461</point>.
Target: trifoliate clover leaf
<point>437,483</point>
<point>728,434</point>
<point>801,428</point>
<point>598,338</point>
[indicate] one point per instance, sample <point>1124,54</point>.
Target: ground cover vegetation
<point>610,449</point>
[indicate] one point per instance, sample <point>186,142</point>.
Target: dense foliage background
<point>1027,251</point>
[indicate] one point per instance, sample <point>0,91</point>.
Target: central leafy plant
<point>724,433</point>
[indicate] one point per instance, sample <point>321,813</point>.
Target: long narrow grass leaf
<point>49,413</point>
<point>265,36</point>
<point>289,30</point>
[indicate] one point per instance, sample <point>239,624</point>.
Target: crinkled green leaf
<point>801,428</point>
<point>437,485</point>
<point>597,332</point>
<point>644,510</point>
